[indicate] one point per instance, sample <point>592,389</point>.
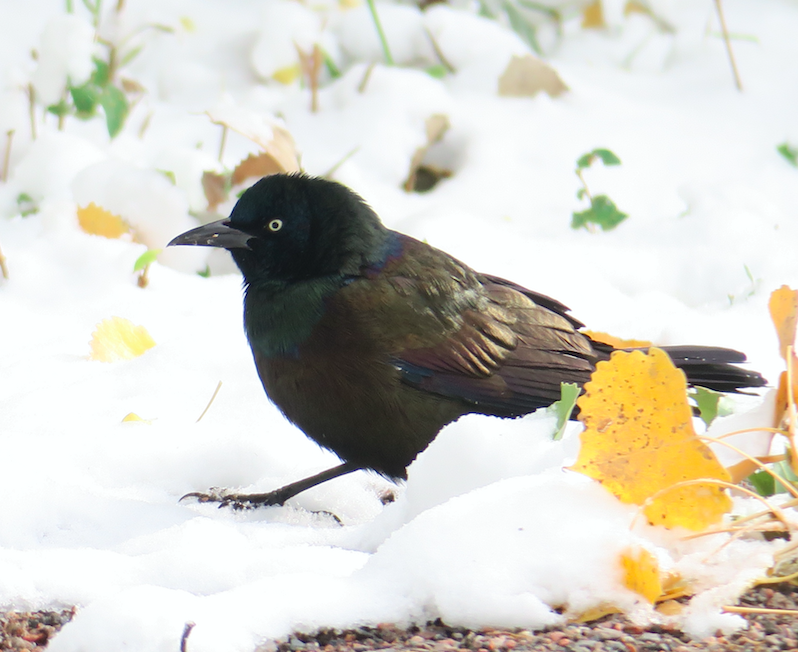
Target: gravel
<point>766,633</point>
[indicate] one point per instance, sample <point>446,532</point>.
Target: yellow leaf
<point>119,339</point>
<point>616,342</point>
<point>593,16</point>
<point>641,573</point>
<point>288,74</point>
<point>133,417</point>
<point>670,608</point>
<point>639,440</point>
<point>595,613</point>
<point>97,221</point>
<point>783,307</point>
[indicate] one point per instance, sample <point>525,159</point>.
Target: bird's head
<point>290,227</point>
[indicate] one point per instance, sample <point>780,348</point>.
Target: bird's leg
<point>276,497</point>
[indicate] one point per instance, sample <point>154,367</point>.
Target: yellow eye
<point>275,225</point>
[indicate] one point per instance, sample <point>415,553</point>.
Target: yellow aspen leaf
<point>288,74</point>
<point>670,608</point>
<point>639,440</point>
<point>641,573</point>
<point>133,417</point>
<point>117,339</point>
<point>616,342</point>
<point>593,16</point>
<point>96,220</point>
<point>595,613</point>
<point>783,307</point>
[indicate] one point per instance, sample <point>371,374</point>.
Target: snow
<point>489,530</point>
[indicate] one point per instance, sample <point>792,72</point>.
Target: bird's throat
<point>279,317</point>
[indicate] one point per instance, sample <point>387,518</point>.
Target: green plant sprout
<point>142,265</point>
<point>563,408</point>
<point>378,26</point>
<point>602,211</point>
<point>789,153</point>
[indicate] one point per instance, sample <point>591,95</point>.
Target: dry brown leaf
<point>255,165</point>
<point>215,187</point>
<point>118,339</point>
<point>593,16</point>
<point>436,126</point>
<point>271,137</point>
<point>96,220</point>
<point>526,76</point>
<point>639,441</point>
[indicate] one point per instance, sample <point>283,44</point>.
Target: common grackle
<point>371,341</point>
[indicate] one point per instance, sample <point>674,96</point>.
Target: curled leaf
<point>118,339</point>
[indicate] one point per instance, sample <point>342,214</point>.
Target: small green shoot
<point>26,205</point>
<point>789,153</point>
<point>142,265</point>
<point>602,211</point>
<point>438,71</point>
<point>707,402</point>
<point>766,485</point>
<point>378,26</point>
<point>205,273</point>
<point>563,408</point>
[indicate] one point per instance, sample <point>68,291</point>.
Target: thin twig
<point>7,156</point>
<point>760,610</point>
<point>223,142</point>
<point>208,407</point>
<point>3,266</point>
<point>32,110</point>
<point>184,638</point>
<point>726,39</point>
<point>366,76</point>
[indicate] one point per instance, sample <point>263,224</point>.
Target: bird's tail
<point>714,368</point>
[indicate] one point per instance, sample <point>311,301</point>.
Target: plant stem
<point>32,110</point>
<point>7,155</point>
<point>223,142</point>
<point>725,31</point>
<point>385,50</point>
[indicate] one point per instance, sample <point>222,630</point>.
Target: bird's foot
<point>226,498</point>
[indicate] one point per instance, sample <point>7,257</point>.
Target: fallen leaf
<point>526,76</point>
<point>783,306</point>
<point>593,16</point>
<point>255,165</point>
<point>133,417</point>
<point>436,126</point>
<point>616,342</point>
<point>215,187</point>
<point>639,440</point>
<point>268,134</point>
<point>96,220</point>
<point>641,573</point>
<point>118,339</point>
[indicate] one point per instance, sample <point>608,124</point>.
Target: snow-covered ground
<point>488,530</point>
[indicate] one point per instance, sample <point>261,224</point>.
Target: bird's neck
<point>279,316</point>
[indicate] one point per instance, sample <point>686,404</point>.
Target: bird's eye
<point>275,225</point>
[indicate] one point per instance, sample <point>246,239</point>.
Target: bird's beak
<point>215,234</point>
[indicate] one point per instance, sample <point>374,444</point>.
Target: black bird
<point>371,341</point>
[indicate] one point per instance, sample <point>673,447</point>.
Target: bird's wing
<point>483,340</point>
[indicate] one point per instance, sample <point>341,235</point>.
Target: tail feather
<point>714,368</point>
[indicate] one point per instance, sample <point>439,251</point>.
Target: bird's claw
<point>237,502</point>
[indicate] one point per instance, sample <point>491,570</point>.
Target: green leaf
<point>584,161</point>
<point>205,273</point>
<point>563,408</point>
<point>764,483</point>
<point>116,108</point>
<point>438,71</point>
<point>789,153</point>
<point>602,212</point>
<point>606,156</point>
<point>61,109</point>
<point>26,204</point>
<point>85,98</point>
<point>707,402</point>
<point>521,26</point>
<point>332,68</point>
<point>581,193</point>
<point>146,259</point>
<point>102,72</point>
